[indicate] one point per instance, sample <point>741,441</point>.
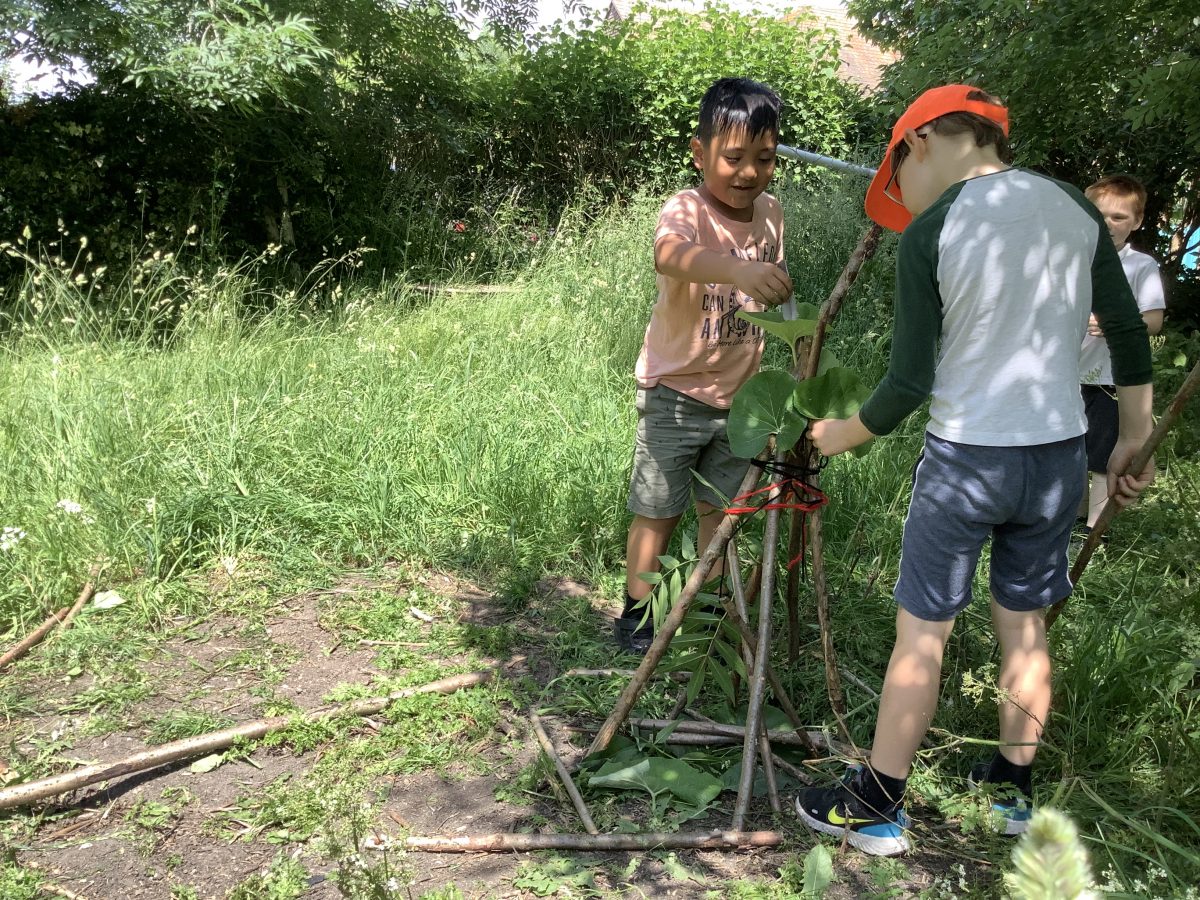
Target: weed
<point>285,879</point>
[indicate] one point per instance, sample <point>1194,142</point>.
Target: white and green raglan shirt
<point>994,284</point>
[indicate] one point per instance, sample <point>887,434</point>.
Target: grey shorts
<point>1024,498</point>
<point>676,435</point>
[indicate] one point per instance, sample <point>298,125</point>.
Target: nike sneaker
<point>1011,809</point>
<point>838,811</point>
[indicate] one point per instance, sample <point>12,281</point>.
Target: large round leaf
<point>837,394</point>
<point>763,407</point>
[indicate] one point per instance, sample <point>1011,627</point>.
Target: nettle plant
<point>775,402</point>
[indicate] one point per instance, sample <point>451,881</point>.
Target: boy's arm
<point>916,328</point>
<point>1135,408</point>
<point>1125,333</point>
<point>677,257</point>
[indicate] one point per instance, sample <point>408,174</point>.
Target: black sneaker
<point>1011,809</point>
<point>632,636</point>
<point>838,811</point>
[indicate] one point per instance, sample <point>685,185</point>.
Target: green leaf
<point>818,871</point>
<point>837,394</point>
<point>773,322</point>
<point>207,763</point>
<point>764,407</point>
<point>808,311</point>
<point>656,776</point>
<point>828,361</point>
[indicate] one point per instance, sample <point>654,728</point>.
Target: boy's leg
<point>710,518</point>
<point>1097,498</point>
<point>648,540</point>
<point>910,693</point>
<point>1024,681</point>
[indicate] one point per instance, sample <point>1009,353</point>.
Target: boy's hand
<point>1126,488</point>
<point>1094,328</point>
<point>834,436</point>
<point>765,282</point>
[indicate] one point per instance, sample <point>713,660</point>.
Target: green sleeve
<point>916,328</point>
<point>1116,310</point>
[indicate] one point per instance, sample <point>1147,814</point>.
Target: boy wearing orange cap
<point>997,272</point>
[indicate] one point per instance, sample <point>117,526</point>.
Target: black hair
<point>737,103</point>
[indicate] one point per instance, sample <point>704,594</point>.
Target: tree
<point>1093,86</point>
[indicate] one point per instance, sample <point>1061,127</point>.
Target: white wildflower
<point>70,507</point>
<point>10,537</point>
<point>151,505</point>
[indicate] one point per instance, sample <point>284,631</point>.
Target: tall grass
<point>492,431</point>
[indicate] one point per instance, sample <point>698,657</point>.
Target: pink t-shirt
<point>694,343</point>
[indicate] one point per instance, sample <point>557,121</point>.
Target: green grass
<point>246,454</point>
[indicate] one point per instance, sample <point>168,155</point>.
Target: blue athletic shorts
<point>1023,498</point>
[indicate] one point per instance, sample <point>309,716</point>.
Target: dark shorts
<point>679,438</point>
<point>1023,498</point>
<point>1104,424</point>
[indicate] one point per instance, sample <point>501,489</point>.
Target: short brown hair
<point>1120,186</point>
<point>985,131</point>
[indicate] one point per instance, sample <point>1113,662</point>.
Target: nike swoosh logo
<point>836,818</point>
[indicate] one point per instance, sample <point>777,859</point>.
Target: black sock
<point>882,793</point>
<point>1002,771</point>
<point>630,612</point>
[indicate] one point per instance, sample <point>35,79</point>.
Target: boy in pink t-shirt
<point>717,249</point>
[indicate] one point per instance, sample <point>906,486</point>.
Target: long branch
<point>34,638</point>
<point>568,782</point>
<point>758,675</point>
<point>662,639</point>
<point>204,744</point>
<point>1136,466</point>
<point>678,840</point>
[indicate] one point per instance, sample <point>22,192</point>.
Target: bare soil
<point>95,844</point>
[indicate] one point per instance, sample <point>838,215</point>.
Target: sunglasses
<point>896,162</point>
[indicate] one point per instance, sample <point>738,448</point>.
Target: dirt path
<point>176,833</point>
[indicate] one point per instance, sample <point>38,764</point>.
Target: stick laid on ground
<point>568,782</point>
<point>89,588</point>
<point>681,840</point>
<point>1136,465</point>
<point>204,744</point>
<point>34,638</point>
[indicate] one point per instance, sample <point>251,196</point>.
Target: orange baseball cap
<point>932,104</point>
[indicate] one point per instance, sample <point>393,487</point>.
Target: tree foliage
<point>1094,86</point>
<point>319,124</point>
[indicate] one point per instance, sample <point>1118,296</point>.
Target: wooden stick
<point>678,840</point>
<point>34,638</point>
<point>833,682</point>
<point>624,673</point>
<point>84,595</point>
<point>204,744</point>
<point>568,782</point>
<point>792,591</point>
<point>781,695</point>
<point>758,676</point>
<point>863,251</point>
<point>662,640</point>
<point>767,757</point>
<point>737,732</point>
<point>1135,467</point>
<point>779,761</point>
